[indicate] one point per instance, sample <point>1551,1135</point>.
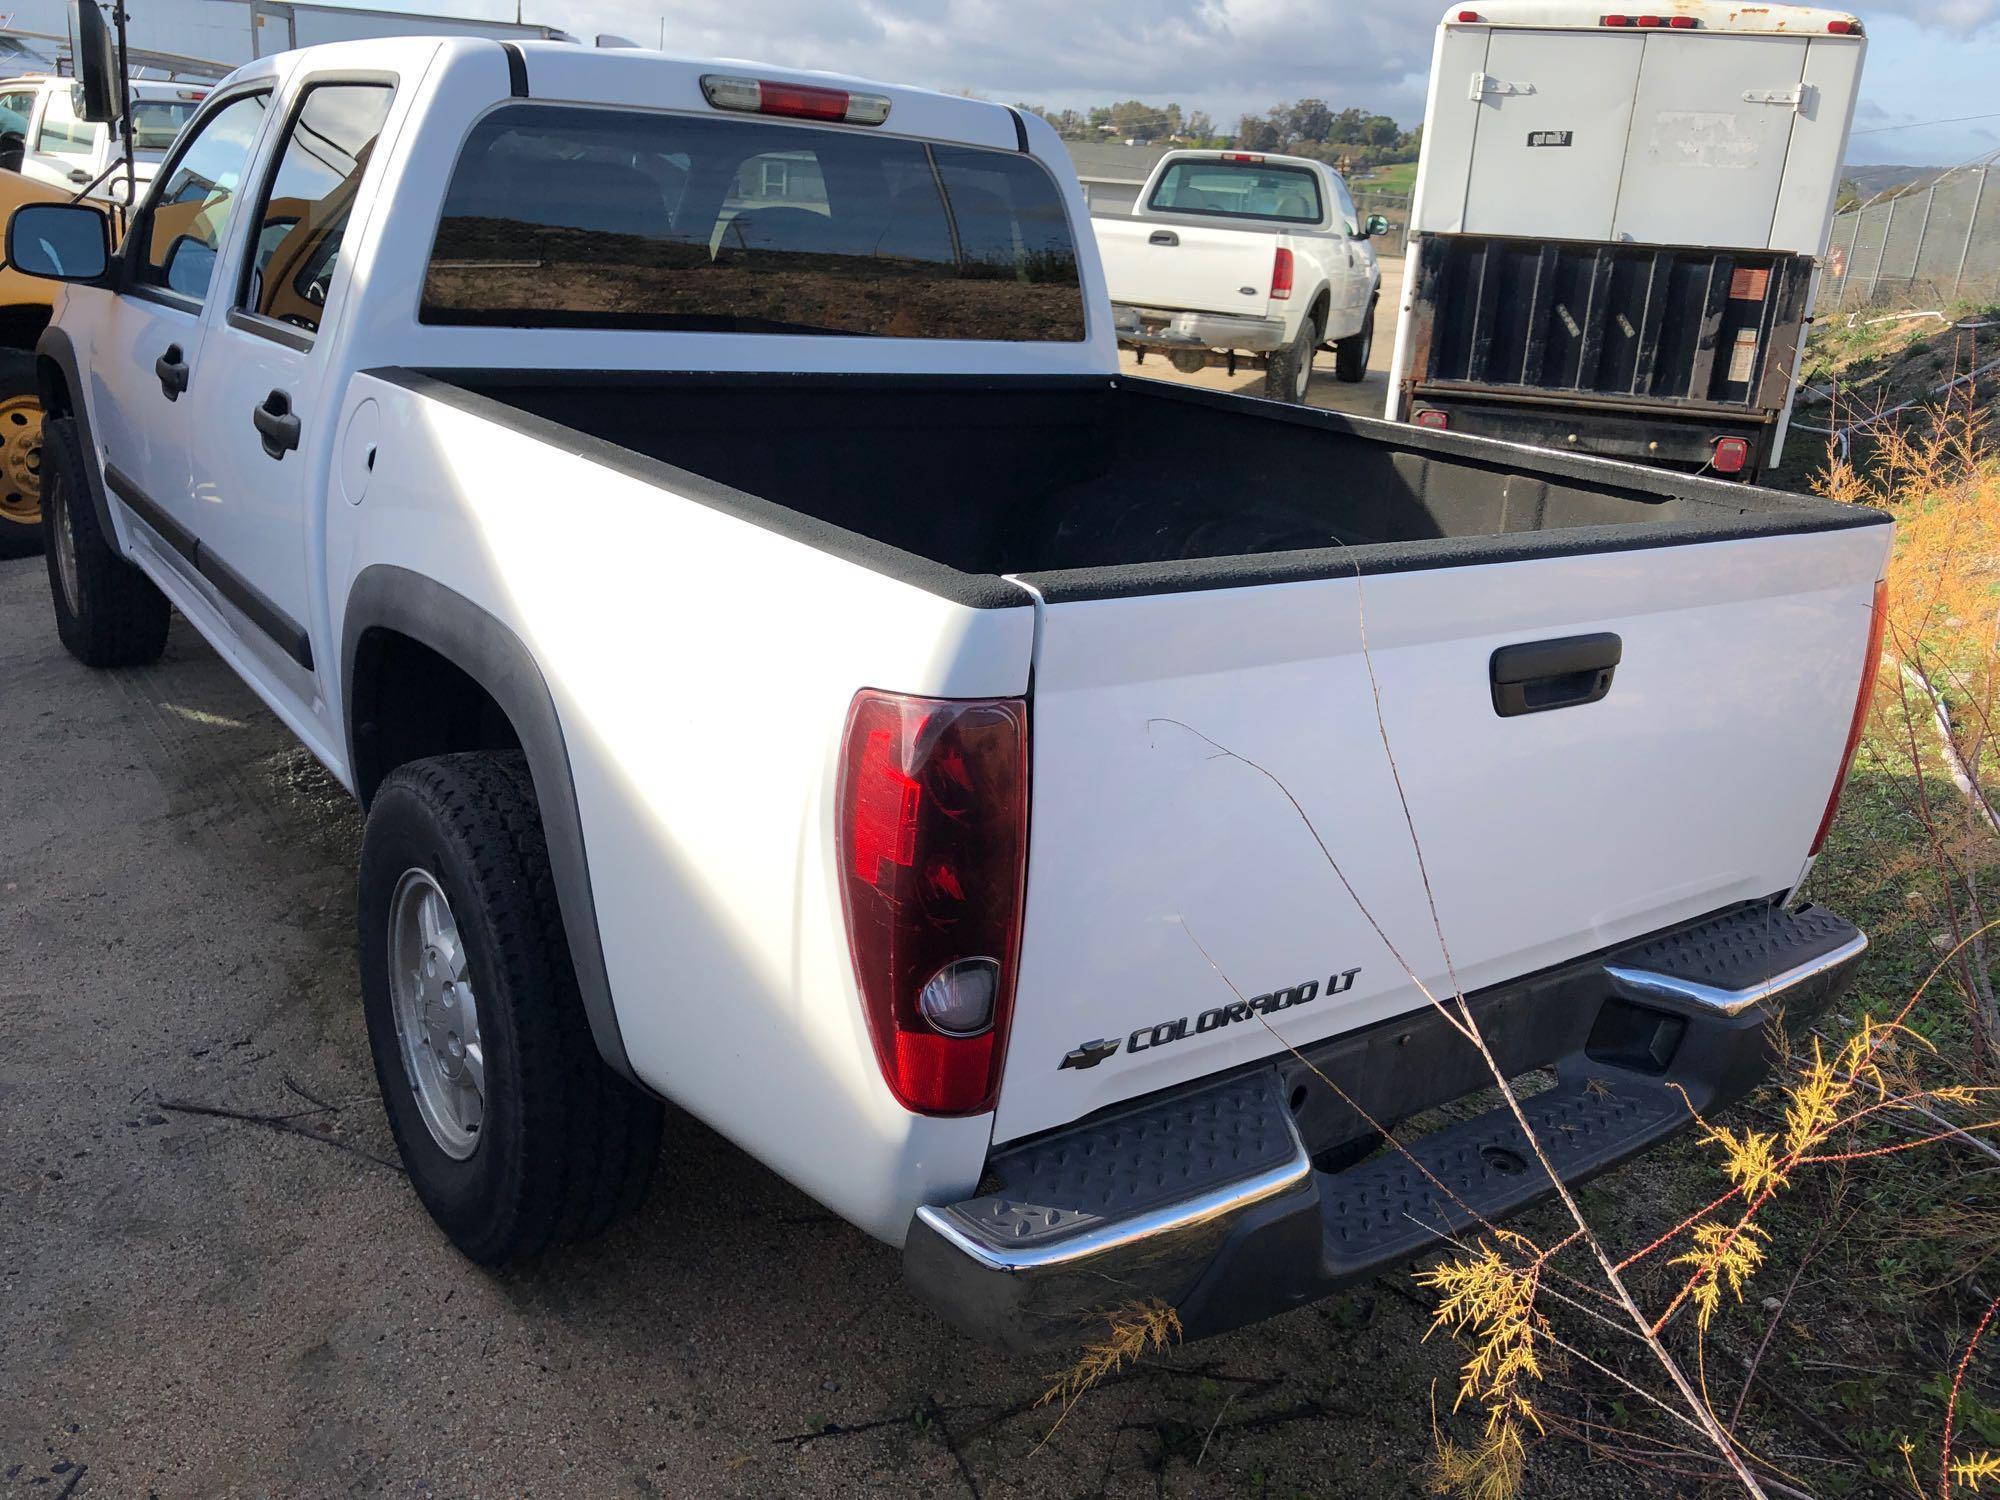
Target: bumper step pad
<point>1391,1208</point>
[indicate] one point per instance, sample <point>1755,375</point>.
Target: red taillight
<point>1844,28</point>
<point>1861,702</point>
<point>1281,274</point>
<point>798,101</point>
<point>1614,20</point>
<point>1650,21</point>
<point>1731,454</point>
<point>1432,417</point>
<point>1468,16</point>
<point>1241,156</point>
<point>1683,23</point>
<point>933,850</point>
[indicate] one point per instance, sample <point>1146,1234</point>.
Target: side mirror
<point>59,241</point>
<point>96,63</point>
<point>1374,225</point>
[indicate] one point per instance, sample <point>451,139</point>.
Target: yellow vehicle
<point>26,303</point>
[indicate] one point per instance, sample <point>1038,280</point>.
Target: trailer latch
<point>1486,86</point>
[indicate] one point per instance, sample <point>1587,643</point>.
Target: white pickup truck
<point>696,510</point>
<point>1232,255</point>
<point>43,134</point>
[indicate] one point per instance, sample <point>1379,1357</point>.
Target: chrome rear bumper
<point>1209,1199</point>
<point>1162,328</point>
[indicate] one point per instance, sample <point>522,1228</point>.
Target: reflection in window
<point>558,216</point>
<point>193,206</point>
<point>305,215</point>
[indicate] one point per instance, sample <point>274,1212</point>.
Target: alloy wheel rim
<point>21,460</point>
<point>436,1014</point>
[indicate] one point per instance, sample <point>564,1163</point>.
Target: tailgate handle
<point>1163,237</point>
<point>1536,676</point>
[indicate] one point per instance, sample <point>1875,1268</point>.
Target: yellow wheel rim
<point>21,460</point>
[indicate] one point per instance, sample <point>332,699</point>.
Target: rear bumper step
<point>1208,1198</point>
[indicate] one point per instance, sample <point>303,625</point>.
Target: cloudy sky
<point>1928,59</point>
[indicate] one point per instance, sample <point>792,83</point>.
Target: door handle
<point>1163,237</point>
<point>277,424</point>
<point>172,369</point>
<point>1536,676</point>
<point>77,174</point>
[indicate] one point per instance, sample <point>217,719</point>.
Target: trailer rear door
<point>1710,129</point>
<point>1554,113</point>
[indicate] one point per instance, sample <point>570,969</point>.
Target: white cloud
<point>1226,56</point>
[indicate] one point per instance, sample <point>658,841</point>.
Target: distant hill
<point>1872,182</point>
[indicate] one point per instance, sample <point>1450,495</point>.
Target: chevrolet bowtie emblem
<point>1089,1055</point>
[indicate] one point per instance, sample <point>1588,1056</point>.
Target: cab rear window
<point>1239,190</point>
<point>566,217</point>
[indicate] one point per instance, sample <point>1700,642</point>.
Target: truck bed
<point>1101,487</point>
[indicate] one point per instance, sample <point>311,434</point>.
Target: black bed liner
<point>1095,487</point>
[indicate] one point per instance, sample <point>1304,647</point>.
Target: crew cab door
<point>147,343</point>
<point>1352,263</point>
<point>258,469</point>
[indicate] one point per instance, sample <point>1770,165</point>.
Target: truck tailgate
<point>1166,879</point>
<point>1186,266</point>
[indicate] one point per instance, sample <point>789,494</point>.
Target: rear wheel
<point>108,613</point>
<point>516,1134</point>
<point>20,456</point>
<point>1350,355</point>
<point>1288,376</point>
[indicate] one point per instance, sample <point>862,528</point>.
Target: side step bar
<point>1208,1198</point>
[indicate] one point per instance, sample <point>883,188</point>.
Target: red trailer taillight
<point>1731,455</point>
<point>933,809</point>
<point>1869,665</point>
<point>1844,28</point>
<point>1281,274</point>
<point>1430,416</point>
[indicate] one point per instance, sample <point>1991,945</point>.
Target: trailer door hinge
<point>1486,86</point>
<point>1799,96</point>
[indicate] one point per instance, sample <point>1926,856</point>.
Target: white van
<point>1618,225</point>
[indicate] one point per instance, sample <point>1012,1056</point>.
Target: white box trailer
<point>1618,224</point>
<point>234,32</point>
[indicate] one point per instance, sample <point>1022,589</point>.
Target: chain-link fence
<point>1941,244</point>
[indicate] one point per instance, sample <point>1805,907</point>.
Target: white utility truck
<point>789,671</point>
<point>1618,225</point>
<point>44,136</point>
<point>1232,256</point>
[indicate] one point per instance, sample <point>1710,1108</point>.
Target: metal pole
<point>1971,222</point>
<point>1923,229</point>
<point>1875,281</point>
<point>125,108</point>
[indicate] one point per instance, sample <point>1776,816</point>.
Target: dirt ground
<point>1364,398</point>
<point>192,1304</point>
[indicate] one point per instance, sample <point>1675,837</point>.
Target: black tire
<point>20,455</point>
<point>564,1146</point>
<point>108,613</point>
<point>1288,375</point>
<point>1350,355</point>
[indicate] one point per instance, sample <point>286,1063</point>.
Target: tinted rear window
<point>1239,190</point>
<point>567,217</point>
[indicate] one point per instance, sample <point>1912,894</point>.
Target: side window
<point>1343,206</point>
<point>305,210</point>
<point>191,207</point>
<point>62,132</point>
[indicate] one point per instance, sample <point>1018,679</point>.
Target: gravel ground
<point>199,1305</point>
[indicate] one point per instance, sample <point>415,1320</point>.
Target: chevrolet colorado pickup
<point>1235,253</point>
<point>787,671</point>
